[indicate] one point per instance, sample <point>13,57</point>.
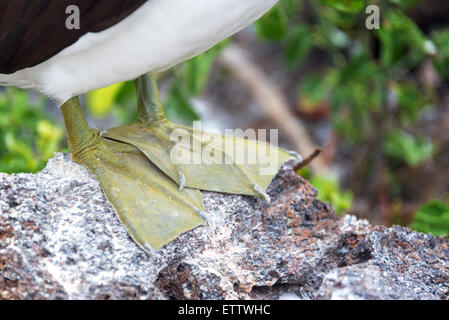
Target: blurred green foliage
<point>352,6</point>
<point>404,147</point>
<point>329,191</point>
<point>441,40</point>
<point>370,82</point>
<point>432,217</point>
<point>360,79</point>
<point>28,138</point>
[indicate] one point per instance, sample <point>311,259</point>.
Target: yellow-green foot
<point>147,202</point>
<point>196,159</point>
<point>151,170</point>
<point>206,161</point>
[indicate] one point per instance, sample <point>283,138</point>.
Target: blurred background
<point>376,101</point>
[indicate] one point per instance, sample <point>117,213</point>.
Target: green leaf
<point>190,81</point>
<point>441,60</point>
<point>49,138</point>
<point>27,136</point>
<point>352,6</point>
<point>196,71</point>
<point>298,45</point>
<point>178,105</point>
<point>314,90</point>
<point>432,217</point>
<point>291,6</point>
<point>355,97</point>
<point>329,191</point>
<point>411,101</point>
<point>273,26</point>
<point>21,149</point>
<point>405,4</point>
<point>403,43</point>
<point>407,149</point>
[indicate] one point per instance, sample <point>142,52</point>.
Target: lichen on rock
<point>61,239</point>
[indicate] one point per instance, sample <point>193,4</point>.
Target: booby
<point>156,198</point>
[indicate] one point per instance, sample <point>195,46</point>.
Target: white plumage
<point>155,37</point>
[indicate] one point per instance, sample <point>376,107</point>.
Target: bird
<point>66,48</point>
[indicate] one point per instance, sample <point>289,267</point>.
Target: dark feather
<point>33,31</point>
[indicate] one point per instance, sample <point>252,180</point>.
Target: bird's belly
<point>159,35</point>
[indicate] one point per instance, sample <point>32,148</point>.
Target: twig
<point>309,159</point>
<point>271,99</point>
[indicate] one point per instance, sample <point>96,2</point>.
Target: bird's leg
<point>151,114</point>
<point>79,135</point>
<point>147,202</point>
<point>196,159</point>
<point>149,106</point>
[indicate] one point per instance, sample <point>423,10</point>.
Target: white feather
<point>157,36</point>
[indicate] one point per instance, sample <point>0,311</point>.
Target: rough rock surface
<point>60,238</point>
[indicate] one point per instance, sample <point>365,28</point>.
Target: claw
<point>201,213</point>
<point>261,193</point>
<point>182,179</point>
<point>207,220</point>
<point>148,250</point>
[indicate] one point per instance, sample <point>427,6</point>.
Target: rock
<point>60,239</point>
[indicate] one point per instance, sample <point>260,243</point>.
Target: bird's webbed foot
<point>147,202</point>
<point>196,159</point>
<point>207,161</point>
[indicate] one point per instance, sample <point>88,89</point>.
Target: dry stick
<point>272,101</point>
<point>309,159</point>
